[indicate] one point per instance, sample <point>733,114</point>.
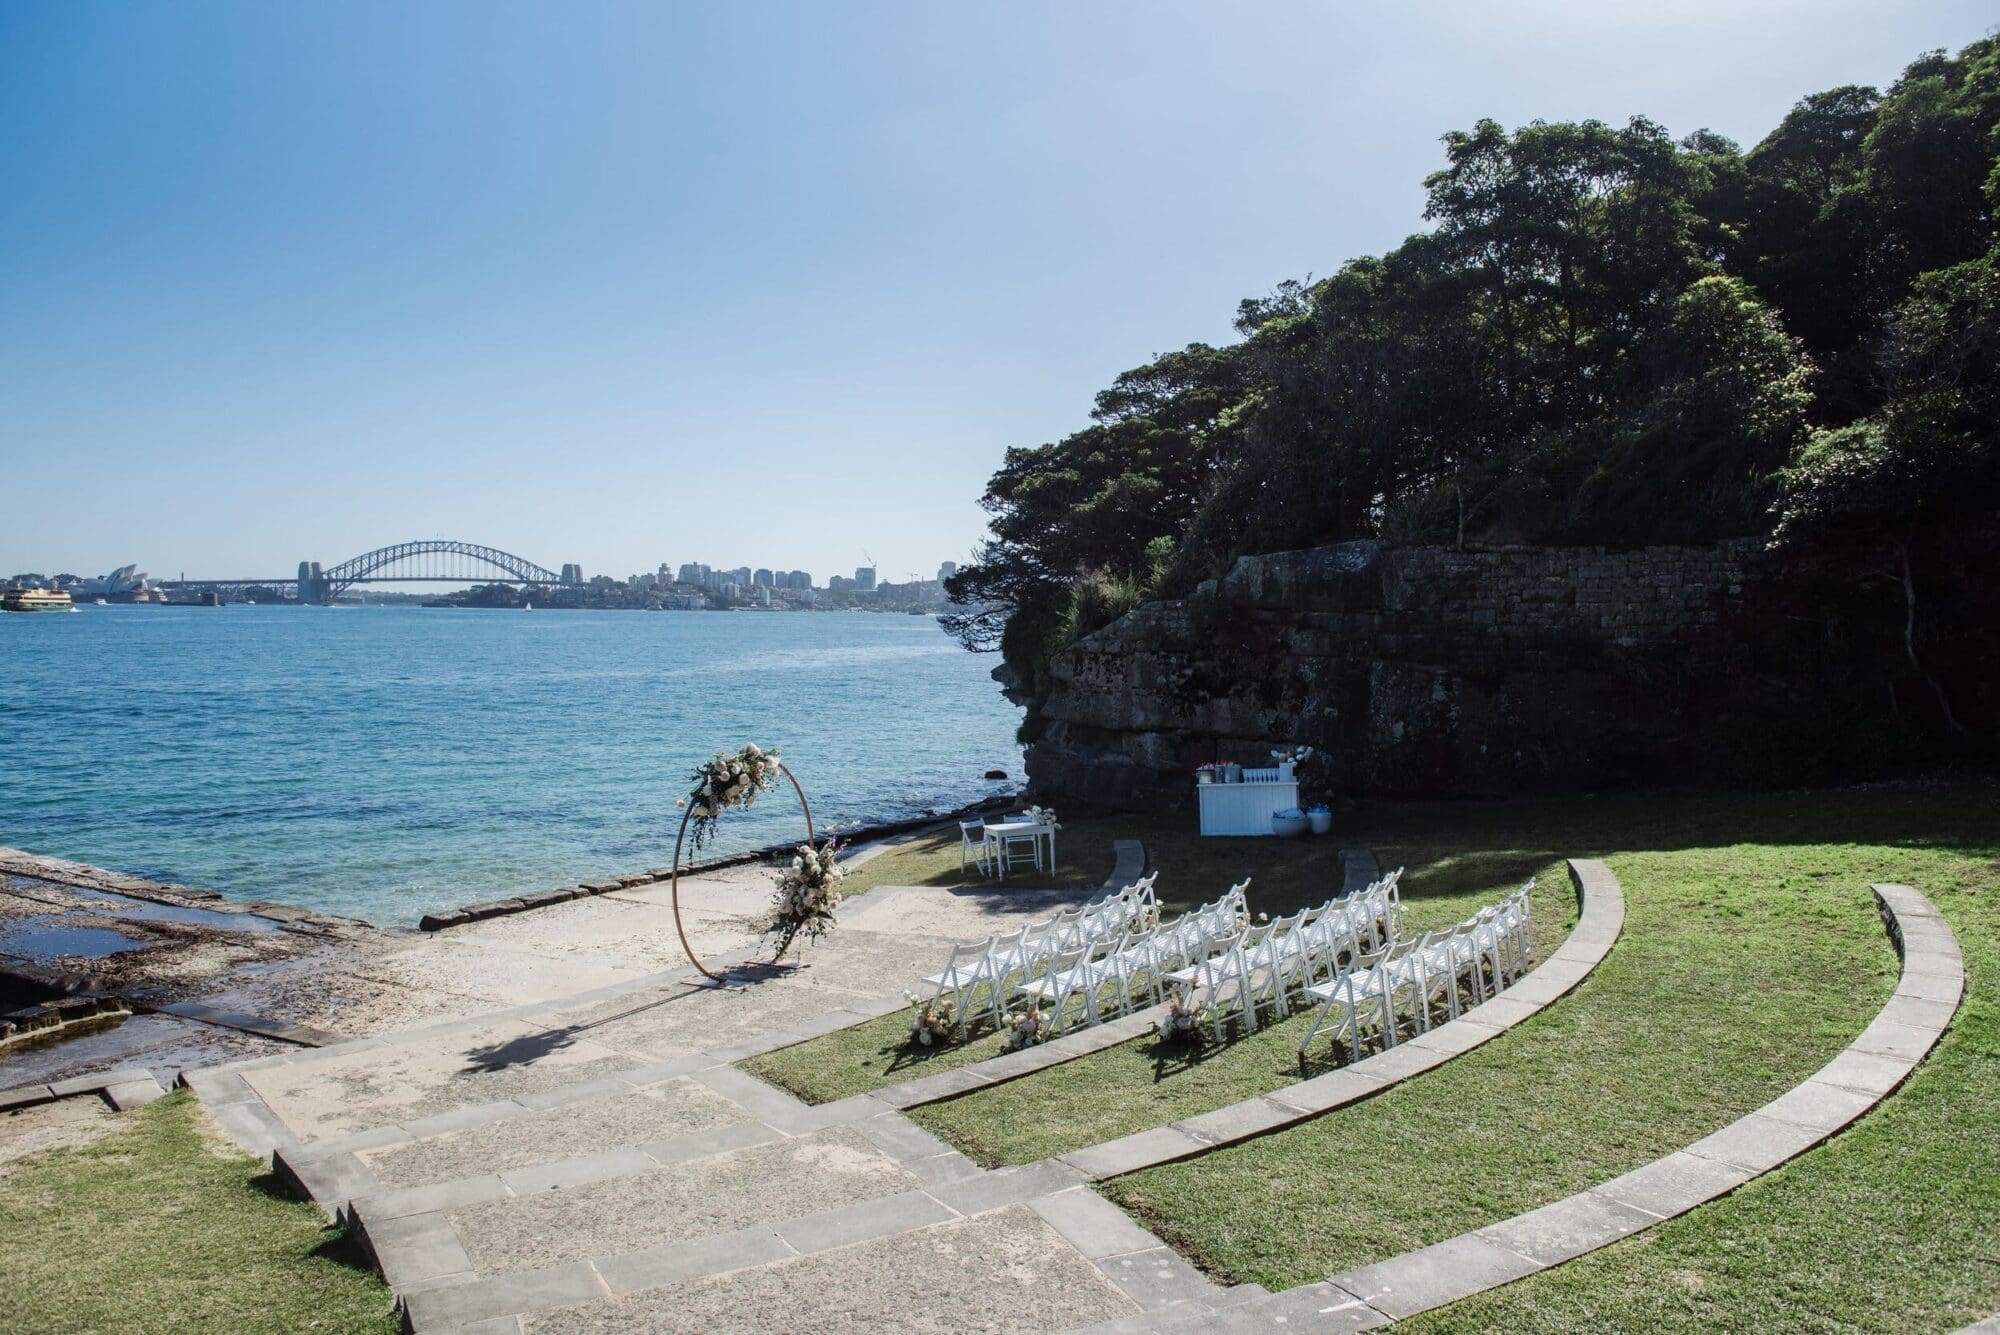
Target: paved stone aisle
<point>597,1163</point>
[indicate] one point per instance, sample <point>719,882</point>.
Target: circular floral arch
<point>807,893</point>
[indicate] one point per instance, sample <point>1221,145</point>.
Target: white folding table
<point>1034,832</point>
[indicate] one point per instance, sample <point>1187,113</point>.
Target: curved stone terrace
<point>599,1161</point>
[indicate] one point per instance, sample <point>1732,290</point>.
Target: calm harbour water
<point>382,762</point>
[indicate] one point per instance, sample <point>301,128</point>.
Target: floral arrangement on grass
<point>936,1022</point>
<point>1041,816</point>
<point>1023,1028</point>
<point>808,893</point>
<point>724,782</point>
<point>1182,1022</point>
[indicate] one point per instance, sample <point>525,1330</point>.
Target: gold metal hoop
<point>688,815</point>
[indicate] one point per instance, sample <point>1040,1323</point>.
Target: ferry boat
<point>35,600</point>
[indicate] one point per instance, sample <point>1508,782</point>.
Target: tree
<point>1912,498</point>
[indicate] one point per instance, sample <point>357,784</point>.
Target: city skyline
<point>280,291</point>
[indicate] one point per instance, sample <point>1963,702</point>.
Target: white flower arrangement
<point>936,1022</point>
<point>1023,1028</point>
<point>1182,1022</point>
<point>1041,816</point>
<point>724,782</point>
<point>1292,755</point>
<point>808,893</point>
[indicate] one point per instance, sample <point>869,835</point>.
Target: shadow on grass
<point>274,1187</point>
<point>343,1247</point>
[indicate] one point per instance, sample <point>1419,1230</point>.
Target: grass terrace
<point>1752,953</point>
<point>1286,874</point>
<point>163,1226</point>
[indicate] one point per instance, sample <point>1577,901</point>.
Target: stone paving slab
<point>630,1117</point>
<point>1568,1228</point>
<point>681,1261</point>
<point>1420,1280</point>
<point>358,1090</point>
<point>786,1179</point>
<point>1005,1271</point>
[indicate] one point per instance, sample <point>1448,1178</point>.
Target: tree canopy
<point>1607,336</point>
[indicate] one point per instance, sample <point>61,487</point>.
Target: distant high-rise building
<point>864,578</point>
<point>798,579</point>
<point>946,569</point>
<point>694,572</point>
<point>741,575</point>
<point>764,579</point>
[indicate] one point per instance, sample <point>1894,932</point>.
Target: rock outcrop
<point>1436,671</point>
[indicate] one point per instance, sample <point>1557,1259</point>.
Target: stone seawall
<point>1436,671</point>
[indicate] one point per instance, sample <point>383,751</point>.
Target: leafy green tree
<point>1911,499</point>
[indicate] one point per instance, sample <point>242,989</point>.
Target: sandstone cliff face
<point>1426,671</point>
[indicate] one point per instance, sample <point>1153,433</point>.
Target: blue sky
<point>769,284</point>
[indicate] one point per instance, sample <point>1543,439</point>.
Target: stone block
<point>1158,1278</point>
<point>434,1198</point>
<point>529,1291</point>
<point>1007,1186</point>
<point>1816,1104</point>
<point>1238,1121</point>
<point>1757,1143</point>
<point>1568,1228</point>
<point>858,1223</point>
<point>1865,1072</point>
<point>1129,1154</point>
<point>1093,1225</point>
<point>578,1170</point>
<point>658,1266</point>
<point>1674,1185</point>
<point>715,1140</point>
<point>1433,1276</point>
<point>24,1096</point>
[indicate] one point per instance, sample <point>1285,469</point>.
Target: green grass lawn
<point>161,1226</point>
<point>1751,955</point>
<point>1893,1225</point>
<point>1285,874</point>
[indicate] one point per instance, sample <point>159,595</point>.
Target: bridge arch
<point>427,559</point>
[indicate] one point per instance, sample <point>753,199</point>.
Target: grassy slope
<point>1146,1083</point>
<point>1760,904</point>
<point>1285,874</point>
<point>161,1227</point>
<point>1893,1226</point>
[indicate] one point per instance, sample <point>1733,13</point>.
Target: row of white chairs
<point>1477,958</point>
<point>1112,977</point>
<point>980,971</point>
<point>1263,967</point>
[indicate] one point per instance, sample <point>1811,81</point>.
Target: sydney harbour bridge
<point>426,561</point>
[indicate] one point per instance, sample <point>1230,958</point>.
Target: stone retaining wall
<point>1435,671</point>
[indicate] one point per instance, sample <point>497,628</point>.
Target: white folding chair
<point>966,970</point>
<point>975,843</point>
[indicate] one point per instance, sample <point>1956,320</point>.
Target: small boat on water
<point>36,600</point>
